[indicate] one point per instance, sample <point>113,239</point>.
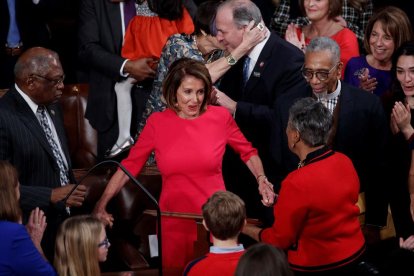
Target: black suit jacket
<point>361,135</point>
<point>276,72</point>
<point>24,144</point>
<point>31,21</point>
<point>100,44</point>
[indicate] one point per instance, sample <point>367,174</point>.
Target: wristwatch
<point>231,60</point>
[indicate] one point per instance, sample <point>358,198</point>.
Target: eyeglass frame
<point>316,73</point>
<point>55,82</point>
<point>105,243</point>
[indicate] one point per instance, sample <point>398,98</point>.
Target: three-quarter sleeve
<point>237,141</point>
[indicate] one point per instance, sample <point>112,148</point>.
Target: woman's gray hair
<point>321,43</point>
<point>243,12</point>
<point>312,120</point>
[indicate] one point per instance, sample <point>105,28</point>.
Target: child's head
<point>80,245</point>
<point>224,215</point>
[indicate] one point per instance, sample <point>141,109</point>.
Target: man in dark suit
<point>359,130</point>
<point>274,69</point>
<point>101,30</point>
<point>40,156</point>
<point>22,25</point>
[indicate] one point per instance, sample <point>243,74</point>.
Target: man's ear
<point>205,226</point>
<point>339,68</point>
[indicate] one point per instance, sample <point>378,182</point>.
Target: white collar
<point>330,96</point>
<point>255,52</point>
<point>33,106</point>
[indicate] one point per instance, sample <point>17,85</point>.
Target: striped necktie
<point>42,117</point>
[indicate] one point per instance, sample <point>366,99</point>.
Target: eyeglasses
<point>55,82</point>
<point>320,75</point>
<point>105,243</point>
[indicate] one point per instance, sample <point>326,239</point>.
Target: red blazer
<point>316,216</point>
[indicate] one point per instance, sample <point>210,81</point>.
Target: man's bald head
<point>35,60</point>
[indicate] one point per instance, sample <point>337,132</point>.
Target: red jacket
<point>316,216</point>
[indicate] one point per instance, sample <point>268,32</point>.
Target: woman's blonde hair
<point>76,251</point>
<point>9,203</point>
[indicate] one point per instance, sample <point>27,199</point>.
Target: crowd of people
<point>290,120</point>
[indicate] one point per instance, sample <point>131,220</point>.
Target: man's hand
<point>225,101</point>
<point>140,69</point>
<point>36,226</point>
<point>75,199</point>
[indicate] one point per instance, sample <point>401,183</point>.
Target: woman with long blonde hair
<point>81,244</point>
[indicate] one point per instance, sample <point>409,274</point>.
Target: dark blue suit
<point>276,72</point>
<point>31,21</point>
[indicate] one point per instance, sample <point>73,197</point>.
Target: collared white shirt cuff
<point>121,71</point>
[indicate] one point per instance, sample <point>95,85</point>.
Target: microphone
<point>140,186</point>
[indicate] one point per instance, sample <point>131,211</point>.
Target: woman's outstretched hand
<point>101,214</point>
<point>266,191</point>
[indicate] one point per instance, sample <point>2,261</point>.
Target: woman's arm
<point>411,184</point>
<point>118,180</point>
<point>252,231</point>
<point>265,187</point>
<point>251,37</point>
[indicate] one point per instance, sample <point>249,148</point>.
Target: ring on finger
<point>260,26</point>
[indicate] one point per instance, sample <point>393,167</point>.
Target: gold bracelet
<point>260,175</point>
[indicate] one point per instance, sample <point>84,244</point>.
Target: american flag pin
<point>256,74</point>
<point>261,64</point>
<point>52,112</point>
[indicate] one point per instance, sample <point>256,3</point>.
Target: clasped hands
<point>266,191</point>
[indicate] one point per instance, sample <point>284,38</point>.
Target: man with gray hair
<point>359,129</point>
<point>250,92</point>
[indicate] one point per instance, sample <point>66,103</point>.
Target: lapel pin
<point>261,64</point>
<point>52,112</point>
<point>256,74</point>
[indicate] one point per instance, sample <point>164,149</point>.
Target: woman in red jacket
<point>316,216</point>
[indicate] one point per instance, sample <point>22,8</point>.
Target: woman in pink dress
<point>189,139</point>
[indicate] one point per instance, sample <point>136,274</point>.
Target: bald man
<point>32,138</point>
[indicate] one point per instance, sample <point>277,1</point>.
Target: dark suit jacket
<point>24,144</point>
<point>276,72</point>
<point>31,21</point>
<point>361,135</point>
<point>100,44</point>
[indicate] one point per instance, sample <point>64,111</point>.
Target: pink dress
<point>189,155</point>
